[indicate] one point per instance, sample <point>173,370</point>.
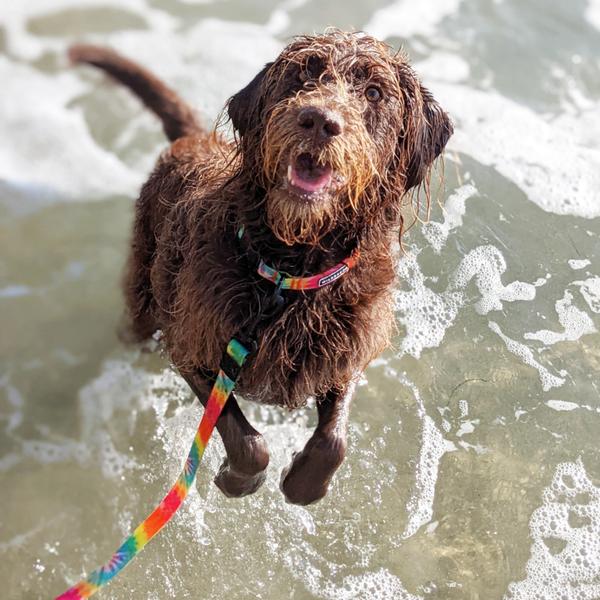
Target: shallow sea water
<point>473,469</point>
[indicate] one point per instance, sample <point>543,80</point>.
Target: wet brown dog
<point>330,137</point>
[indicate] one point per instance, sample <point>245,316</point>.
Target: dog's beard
<point>295,222</point>
<point>350,157</point>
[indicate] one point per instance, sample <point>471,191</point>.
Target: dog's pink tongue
<point>308,176</point>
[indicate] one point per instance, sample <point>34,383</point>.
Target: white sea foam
<point>590,290</point>
<point>121,391</point>
<point>55,452</point>
<point>22,42</point>
<point>207,62</point>
<point>575,323</point>
<point>376,585</point>
<point>15,291</point>
<point>486,264</point>
<point>443,66</point>
<point>433,447</point>
<point>561,405</point>
<point>427,314</point>
<point>578,264</point>
<point>405,19</point>
<point>420,505</point>
<point>280,18</point>
<point>15,404</point>
<point>564,405</point>
<point>522,351</point>
<point>46,150</point>
<point>565,554</point>
<point>435,232</point>
<point>554,168</point>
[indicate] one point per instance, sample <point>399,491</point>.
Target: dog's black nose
<point>325,122</point>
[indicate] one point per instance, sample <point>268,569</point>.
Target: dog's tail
<point>177,117</point>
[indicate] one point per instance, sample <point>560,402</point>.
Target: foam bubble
<point>565,554</point>
<point>575,323</point>
<point>55,452</point>
<point>15,291</point>
<point>561,405</point>
<point>113,463</point>
<point>576,264</point>
<point>14,415</point>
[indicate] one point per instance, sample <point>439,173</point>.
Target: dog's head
<point>336,130</point>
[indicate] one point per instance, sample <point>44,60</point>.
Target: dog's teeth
<point>289,173</point>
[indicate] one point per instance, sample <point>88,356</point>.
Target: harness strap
<point>229,371</point>
<point>285,281</point>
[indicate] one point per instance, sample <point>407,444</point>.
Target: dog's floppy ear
<point>430,129</point>
<point>243,108</point>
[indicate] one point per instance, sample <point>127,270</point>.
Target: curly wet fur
<point>190,276</point>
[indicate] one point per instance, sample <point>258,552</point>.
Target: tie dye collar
<point>284,281</point>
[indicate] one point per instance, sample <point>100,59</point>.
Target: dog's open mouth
<point>307,176</point>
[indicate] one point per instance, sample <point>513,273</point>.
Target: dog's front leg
<point>243,470</point>
<point>307,479</point>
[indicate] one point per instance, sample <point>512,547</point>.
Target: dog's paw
<point>306,479</point>
<point>295,490</point>
<point>234,484</point>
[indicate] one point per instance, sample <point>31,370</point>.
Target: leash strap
<point>229,370</point>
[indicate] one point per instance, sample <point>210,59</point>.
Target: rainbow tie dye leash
<point>161,515</point>
<point>230,368</point>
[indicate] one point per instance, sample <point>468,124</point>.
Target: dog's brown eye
<point>373,94</point>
